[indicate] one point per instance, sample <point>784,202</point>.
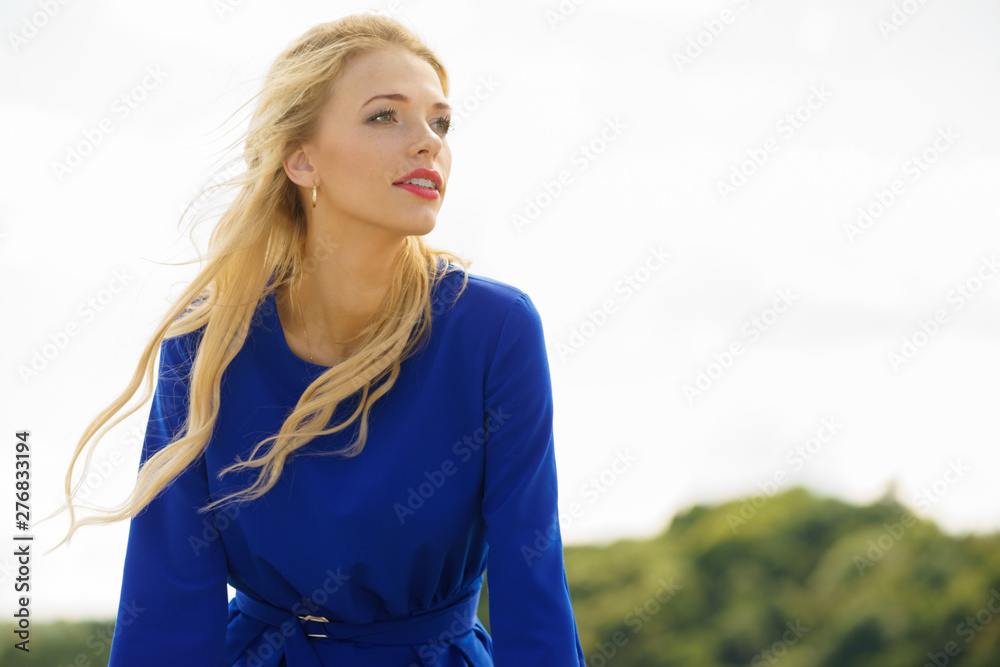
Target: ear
<point>300,169</point>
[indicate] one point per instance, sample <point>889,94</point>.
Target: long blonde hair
<point>256,247</point>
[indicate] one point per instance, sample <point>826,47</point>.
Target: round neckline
<point>273,302</point>
<point>284,341</point>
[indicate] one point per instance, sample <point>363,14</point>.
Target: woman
<point>347,426</point>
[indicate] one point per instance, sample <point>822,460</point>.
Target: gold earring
<point>314,195</point>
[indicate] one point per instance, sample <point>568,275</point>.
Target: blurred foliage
<point>793,580</point>
<point>60,644</point>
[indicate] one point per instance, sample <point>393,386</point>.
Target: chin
<point>423,229</point>
<point>419,225</point>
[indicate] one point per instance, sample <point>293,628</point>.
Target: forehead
<point>386,71</point>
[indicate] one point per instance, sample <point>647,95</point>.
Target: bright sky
<point>762,236</point>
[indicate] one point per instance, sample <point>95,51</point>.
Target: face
<point>386,118</point>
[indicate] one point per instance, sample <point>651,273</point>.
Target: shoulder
<point>177,355</point>
<point>488,317</point>
<point>177,352</point>
<point>483,295</point>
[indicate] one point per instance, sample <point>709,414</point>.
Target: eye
<point>390,113</point>
<point>443,124</point>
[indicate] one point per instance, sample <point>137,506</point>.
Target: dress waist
<point>447,622</point>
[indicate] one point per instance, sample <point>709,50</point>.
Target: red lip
<point>423,173</point>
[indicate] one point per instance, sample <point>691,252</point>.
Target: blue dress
<point>384,552</point>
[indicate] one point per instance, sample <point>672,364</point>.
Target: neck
<point>342,285</point>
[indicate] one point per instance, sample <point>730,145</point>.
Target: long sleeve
<point>173,607</point>
<point>531,615</point>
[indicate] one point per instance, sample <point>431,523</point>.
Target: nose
<point>427,141</point>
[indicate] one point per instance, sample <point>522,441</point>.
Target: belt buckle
<point>320,619</point>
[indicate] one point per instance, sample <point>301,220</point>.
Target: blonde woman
<point>347,426</point>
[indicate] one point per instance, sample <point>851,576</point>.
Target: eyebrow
<point>403,98</point>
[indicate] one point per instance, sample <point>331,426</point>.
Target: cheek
<point>354,162</point>
<point>444,158</point>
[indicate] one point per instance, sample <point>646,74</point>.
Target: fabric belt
<point>447,622</point>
